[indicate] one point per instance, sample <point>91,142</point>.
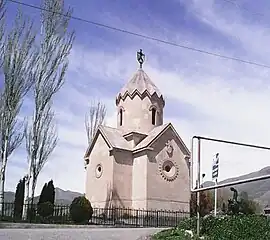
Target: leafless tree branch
<point>94,118</point>
<point>2,25</point>
<point>18,59</point>
<point>46,140</point>
<point>55,47</point>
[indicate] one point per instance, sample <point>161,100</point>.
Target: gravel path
<point>78,234</point>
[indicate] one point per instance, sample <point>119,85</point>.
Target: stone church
<point>142,163</point>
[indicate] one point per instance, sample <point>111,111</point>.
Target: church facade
<point>142,163</point>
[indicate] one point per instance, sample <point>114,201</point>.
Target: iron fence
<point>60,214</point>
<point>137,217</point>
<point>101,216</point>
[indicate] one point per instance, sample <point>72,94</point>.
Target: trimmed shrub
<point>81,210</point>
<point>188,224</point>
<point>45,209</point>
<point>250,227</point>
<point>174,234</point>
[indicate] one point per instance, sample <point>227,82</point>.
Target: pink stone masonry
<point>142,163</point>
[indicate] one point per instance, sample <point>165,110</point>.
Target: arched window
<point>121,117</point>
<point>154,111</point>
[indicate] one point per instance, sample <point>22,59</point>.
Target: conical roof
<point>140,83</point>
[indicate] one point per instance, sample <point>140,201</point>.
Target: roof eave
<point>133,132</point>
<point>90,147</point>
<point>142,149</point>
<point>136,91</point>
<point>182,142</point>
<point>121,149</point>
<point>160,134</point>
<point>154,139</point>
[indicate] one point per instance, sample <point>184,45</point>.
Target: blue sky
<point>204,95</point>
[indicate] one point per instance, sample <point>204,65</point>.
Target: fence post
<point>29,213</point>
<point>61,213</point>
<point>157,217</point>
<point>113,215</point>
<point>147,218</point>
<point>176,218</point>
<point>137,217</point>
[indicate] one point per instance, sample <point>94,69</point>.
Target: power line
<point>243,8</point>
<point>146,37</point>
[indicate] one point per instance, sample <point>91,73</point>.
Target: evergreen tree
<point>46,200</point>
<point>50,192</point>
<point>43,194</point>
<point>42,198</point>
<point>19,199</point>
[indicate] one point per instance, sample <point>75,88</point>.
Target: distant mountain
<point>65,197</point>
<point>62,197</point>
<point>259,191</point>
<point>9,196</point>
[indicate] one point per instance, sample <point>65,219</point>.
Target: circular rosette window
<point>168,170</point>
<point>99,171</point>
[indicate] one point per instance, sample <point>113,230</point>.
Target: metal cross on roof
<point>140,57</point>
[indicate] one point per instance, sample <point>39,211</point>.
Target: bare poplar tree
<point>93,118</point>
<point>2,21</point>
<point>55,47</point>
<point>46,137</point>
<point>18,58</point>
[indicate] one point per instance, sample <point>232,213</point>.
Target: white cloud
<point>231,21</point>
<point>230,99</point>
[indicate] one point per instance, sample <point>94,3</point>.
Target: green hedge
<point>242,227</point>
<point>248,227</point>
